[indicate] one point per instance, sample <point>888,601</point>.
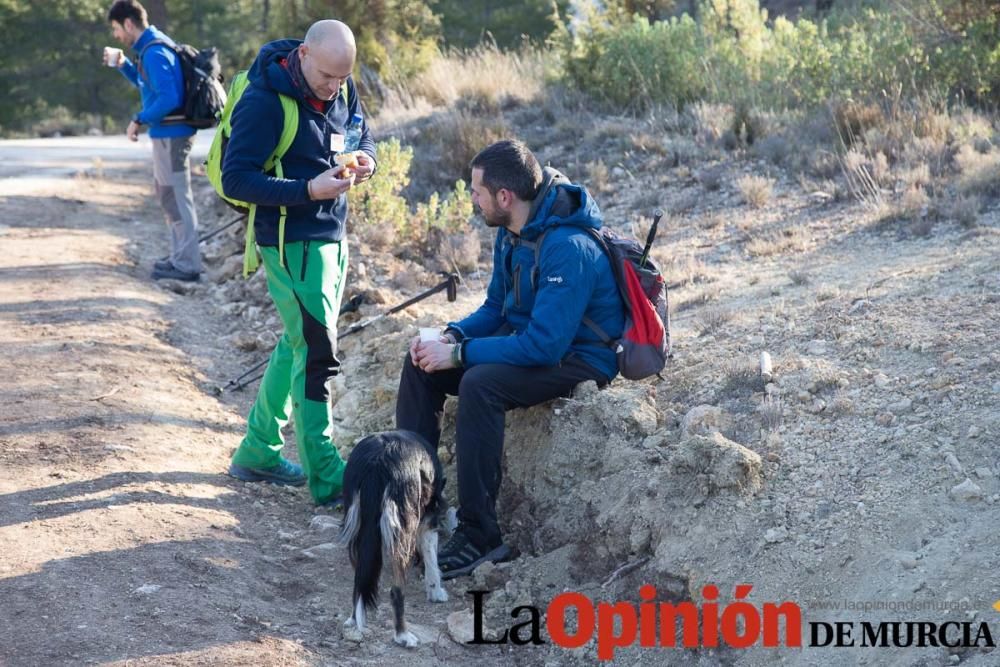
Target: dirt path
<point>122,541</point>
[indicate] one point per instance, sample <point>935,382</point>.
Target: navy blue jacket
<point>257,122</point>
<point>161,87</point>
<point>574,279</point>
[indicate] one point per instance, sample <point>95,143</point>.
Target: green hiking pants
<point>307,293</point>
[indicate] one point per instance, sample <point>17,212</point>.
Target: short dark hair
<point>128,9</point>
<point>510,165</point>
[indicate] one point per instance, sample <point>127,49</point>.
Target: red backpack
<point>644,346</point>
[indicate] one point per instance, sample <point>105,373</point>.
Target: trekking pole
<point>212,233</point>
<point>657,214</point>
<point>450,284</point>
<point>351,306</point>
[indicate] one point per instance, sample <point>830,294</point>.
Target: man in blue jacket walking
<point>158,76</point>
<point>300,228</point>
<point>528,343</point>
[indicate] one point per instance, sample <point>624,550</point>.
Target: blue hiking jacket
<point>574,279</point>
<point>161,87</point>
<point>257,122</point>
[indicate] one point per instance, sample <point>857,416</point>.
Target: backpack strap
<point>537,245</point>
<point>142,53</point>
<point>290,111</point>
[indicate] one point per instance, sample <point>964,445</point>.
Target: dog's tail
<point>361,533</point>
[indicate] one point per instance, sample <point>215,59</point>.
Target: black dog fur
<point>393,505</point>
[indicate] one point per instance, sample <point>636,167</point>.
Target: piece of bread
<point>346,160</point>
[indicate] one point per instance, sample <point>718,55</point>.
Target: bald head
<point>327,54</point>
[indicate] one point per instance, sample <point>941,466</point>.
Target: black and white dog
<point>393,502</point>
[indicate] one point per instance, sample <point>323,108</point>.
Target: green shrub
<point>732,55</point>
<point>379,201</point>
<point>383,216</point>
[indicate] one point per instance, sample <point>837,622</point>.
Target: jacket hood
<point>267,72</point>
<point>560,202</point>
<point>150,34</point>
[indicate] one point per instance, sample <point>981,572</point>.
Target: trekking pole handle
<point>657,214</point>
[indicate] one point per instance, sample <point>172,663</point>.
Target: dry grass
<point>771,410</point>
<point>485,74</point>
<point>703,297</point>
<point>775,149</point>
<point>914,203</point>
<point>711,120</point>
<point>766,245</point>
<point>755,190</point>
<point>854,119</point>
<point>711,177</point>
<point>712,320</point>
<point>963,209</point>
<point>598,176</point>
<point>679,269</point>
<point>859,172</point>
<point>741,375</point>
<point>459,134</point>
<point>798,277</point>
<point>979,173</point>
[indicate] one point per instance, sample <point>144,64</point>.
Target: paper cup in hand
<point>428,334</point>
<point>112,56</point>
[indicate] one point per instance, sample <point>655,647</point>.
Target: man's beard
<point>498,219</point>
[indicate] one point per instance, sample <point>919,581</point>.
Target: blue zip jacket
<point>257,122</point>
<point>574,279</point>
<point>161,88</point>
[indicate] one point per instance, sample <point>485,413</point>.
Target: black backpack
<point>204,95</point>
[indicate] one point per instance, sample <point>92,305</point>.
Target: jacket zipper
<point>517,286</point>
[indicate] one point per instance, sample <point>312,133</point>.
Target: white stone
<point>460,626</point>
<point>322,523</point>
<point>147,589</point>
<point>775,535</point>
<point>320,551</point>
<point>900,407</point>
<point>967,490</point>
<point>702,420</point>
<point>816,347</point>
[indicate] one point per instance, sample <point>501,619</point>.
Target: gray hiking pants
<point>172,175</point>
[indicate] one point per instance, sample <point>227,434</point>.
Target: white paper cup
<point>428,334</point>
<point>112,56</point>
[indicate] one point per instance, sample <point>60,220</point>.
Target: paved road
<point>26,162</point>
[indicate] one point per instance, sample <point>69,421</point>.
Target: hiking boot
<point>162,264</point>
<point>460,556</point>
<point>173,273</point>
<point>285,473</point>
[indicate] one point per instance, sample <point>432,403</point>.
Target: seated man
<point>525,345</point>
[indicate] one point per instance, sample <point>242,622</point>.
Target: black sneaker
<point>460,556</point>
<point>173,273</point>
<point>162,264</point>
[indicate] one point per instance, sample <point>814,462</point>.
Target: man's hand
<point>432,356</point>
<point>329,185</point>
<point>133,131</point>
<point>415,344</point>
<point>365,168</point>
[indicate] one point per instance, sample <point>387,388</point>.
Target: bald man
<point>300,230</point>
